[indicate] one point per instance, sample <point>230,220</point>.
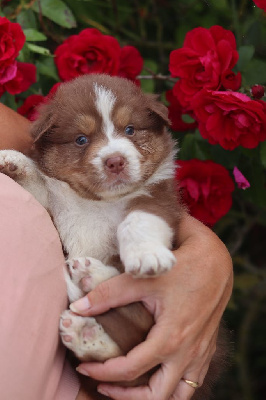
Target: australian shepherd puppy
<point>103,166</point>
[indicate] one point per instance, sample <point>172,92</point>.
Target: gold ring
<point>194,385</point>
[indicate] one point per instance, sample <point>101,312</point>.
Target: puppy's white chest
<point>86,227</point>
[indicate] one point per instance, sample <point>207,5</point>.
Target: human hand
<point>187,304</point>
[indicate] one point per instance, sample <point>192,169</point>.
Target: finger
<point>161,385</point>
<point>138,361</point>
<point>183,392</point>
<point>112,294</point>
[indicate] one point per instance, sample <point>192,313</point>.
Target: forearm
<point>14,131</point>
<point>193,234</point>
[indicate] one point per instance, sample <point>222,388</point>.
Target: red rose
<point>175,114</point>
<point>230,119</point>
<point>131,63</point>
<point>206,188</point>
<point>257,91</point>
<point>202,61</point>
<point>28,108</point>
<point>230,80</point>
<point>260,4</point>
<point>12,40</point>
<point>88,52</point>
<point>25,77</point>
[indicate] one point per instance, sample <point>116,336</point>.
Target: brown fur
<point>72,112</point>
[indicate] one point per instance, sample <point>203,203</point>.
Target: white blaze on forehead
<point>105,100</point>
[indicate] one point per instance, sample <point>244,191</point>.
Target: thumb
<point>115,292</point>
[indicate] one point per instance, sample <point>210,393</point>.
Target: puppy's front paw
<point>148,260</point>
<point>84,273</point>
<point>15,164</point>
<point>86,338</point>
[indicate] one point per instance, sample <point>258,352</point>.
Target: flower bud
<point>257,91</point>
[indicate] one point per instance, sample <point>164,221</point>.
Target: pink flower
<point>241,181</point>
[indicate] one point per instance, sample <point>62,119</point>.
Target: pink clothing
<point>32,296</point>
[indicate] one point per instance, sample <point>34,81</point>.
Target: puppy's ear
<point>158,108</point>
<point>44,123</point>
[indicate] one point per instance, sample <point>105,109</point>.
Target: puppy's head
<point>102,136</point>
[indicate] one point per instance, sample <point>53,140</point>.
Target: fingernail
<point>82,371</point>
<point>102,391</point>
<point>80,305</point>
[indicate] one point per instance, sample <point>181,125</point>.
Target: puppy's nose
<point>115,164</point>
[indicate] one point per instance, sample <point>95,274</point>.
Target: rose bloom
<point>29,108</point>
<point>175,114</point>
<point>206,56</point>
<point>12,40</point>
<point>230,119</point>
<point>24,78</point>
<point>206,189</point>
<point>260,4</point>
<point>88,52</point>
<point>131,63</point>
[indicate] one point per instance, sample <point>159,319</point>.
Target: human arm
<point>14,131</point>
<point>187,304</point>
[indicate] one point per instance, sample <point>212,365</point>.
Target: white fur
<point>144,240</point>
<point>165,170</point>
<point>105,101</point>
<point>86,337</point>
<point>27,174</point>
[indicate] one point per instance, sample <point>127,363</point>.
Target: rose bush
<point>205,61</point>
<point>230,119</point>
<point>206,188</point>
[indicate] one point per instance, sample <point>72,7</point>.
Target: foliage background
<point>156,27</point>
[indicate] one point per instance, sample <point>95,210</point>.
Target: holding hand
<point>187,304</point>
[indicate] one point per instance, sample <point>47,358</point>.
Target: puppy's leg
<point>87,338</point>
<point>144,243</point>
<point>83,274</point>
<point>24,171</point>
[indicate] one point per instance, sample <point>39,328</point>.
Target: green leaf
<point>148,85</point>
<point>255,72</point>
<point>27,19</point>
<point>263,153</point>
<point>192,147</point>
<point>227,158</point>
<point>57,11</point>
<point>34,36</point>
<point>245,55</point>
<point>245,281</point>
<point>47,67</point>
<point>257,191</point>
<point>38,49</point>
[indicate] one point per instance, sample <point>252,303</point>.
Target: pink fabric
<point>32,296</point>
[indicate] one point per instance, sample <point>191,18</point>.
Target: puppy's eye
<point>129,130</point>
<point>81,140</point>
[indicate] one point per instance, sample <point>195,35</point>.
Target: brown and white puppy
<point>104,168</point>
